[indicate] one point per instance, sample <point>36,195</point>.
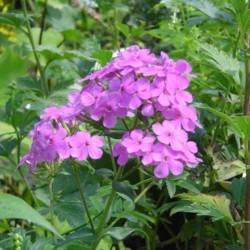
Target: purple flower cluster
<point>134,84</point>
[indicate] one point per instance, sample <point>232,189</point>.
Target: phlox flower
<point>121,152</point>
<point>162,92</point>
<point>109,109</point>
<point>169,134</point>
<point>170,163</point>
<point>83,145</point>
<point>184,116</point>
<point>125,86</point>
<point>140,92</point>
<point>153,155</point>
<point>48,145</point>
<point>137,143</point>
<point>149,92</point>
<point>133,58</point>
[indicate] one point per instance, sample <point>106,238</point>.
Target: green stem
<point>218,121</point>
<point>106,211</point>
<point>19,140</point>
<point>116,31</point>
<point>45,87</point>
<point>236,44</point>
<point>143,192</point>
<point>125,124</point>
<point>239,236</point>
<point>51,203</point>
<point>78,181</point>
<point>247,145</point>
<point>136,120</point>
<point>130,206</point>
<point>131,171</point>
<point>43,22</point>
<point>111,155</point>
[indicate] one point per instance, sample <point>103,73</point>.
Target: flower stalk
<point>246,107</point>
<point>106,210</point>
<point>43,80</point>
<point>84,202</point>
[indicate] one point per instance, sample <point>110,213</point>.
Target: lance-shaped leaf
<point>12,207</point>
<point>223,62</point>
<point>216,206</point>
<point>230,120</point>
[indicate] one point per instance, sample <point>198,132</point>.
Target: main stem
<point>77,177</point>
<point>106,211</point>
<point>246,107</point>
<point>43,80</point>
<point>51,204</point>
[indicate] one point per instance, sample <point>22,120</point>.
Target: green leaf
<point>239,191</point>
<point>228,170</point>
<point>97,203</point>
<point>72,34</point>
<point>29,84</point>
<point>103,56</point>
<point>7,145</point>
<point>12,65</point>
<point>204,6</point>
<point>84,234</point>
<point>13,19</point>
<point>225,117</point>
<point>120,233</point>
<point>70,209</point>
<point>124,29</point>
<point>216,206</point>
<point>243,123</point>
<point>51,52</point>
<point>171,187</point>
<point>62,17</point>
<point>188,186</point>
<point>136,217</point>
<point>224,62</point>
<point>124,190</point>
<point>167,206</point>
<point>233,247</point>
<point>104,172</point>
<point>12,207</point>
<point>42,243</point>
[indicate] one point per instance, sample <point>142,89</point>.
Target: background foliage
<point>46,46</point>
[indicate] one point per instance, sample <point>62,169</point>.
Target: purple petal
<point>97,113</point>
<point>87,99</point>
<point>163,99</point>
<point>80,154</point>
<point>60,134</point>
<point>94,152</point>
<point>115,84</point>
<point>148,110</point>
<point>146,147</point>
<point>117,148</point>
<point>183,66</point>
<point>176,167</point>
<point>97,141</point>
<point>147,159</point>
<point>136,134</point>
<point>63,150</point>
<point>121,112</point>
<point>122,159</point>
<point>135,102</point>
<point>109,120</point>
<point>157,128</point>
<point>161,170</point>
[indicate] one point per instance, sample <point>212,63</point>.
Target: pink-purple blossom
<point>149,92</point>
<point>83,145</point>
